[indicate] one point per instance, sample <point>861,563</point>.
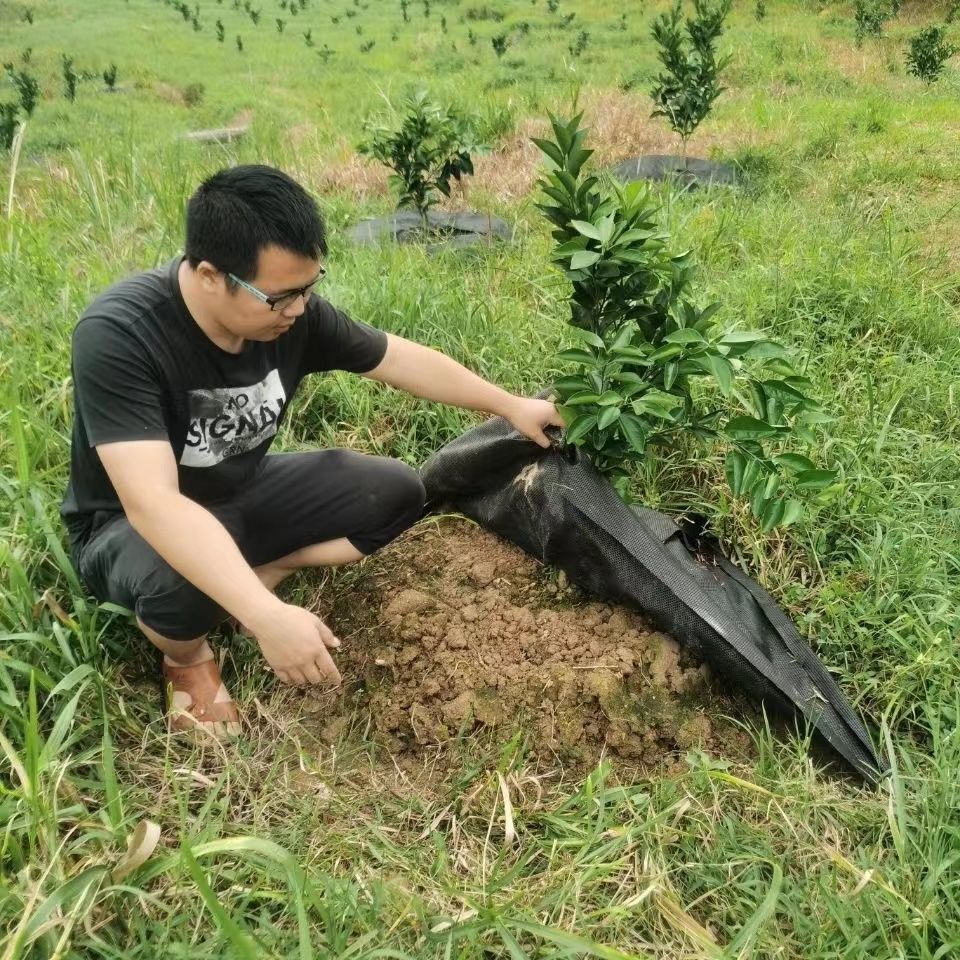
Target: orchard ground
<point>312,839</point>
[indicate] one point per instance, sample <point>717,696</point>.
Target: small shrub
<point>869,17</point>
<point>430,148</point>
<point>9,121</point>
<point>28,15</point>
<point>685,92</point>
<point>308,37</point>
<point>368,46</point>
<point>404,9</point>
<point>193,94</point>
<point>239,44</point>
<point>760,10</point>
<point>27,88</point>
<point>580,44</point>
<point>478,14</point>
<point>110,76</point>
<point>553,5</point>
<point>70,78</point>
<point>644,347</point>
<point>928,53</point>
<point>325,53</point>
<point>221,31</point>
<point>280,25</point>
<point>500,42</point>
<point>567,20</point>
<point>426,8</point>
<point>26,55</point>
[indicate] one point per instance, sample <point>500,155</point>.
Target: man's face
<point>279,272</point>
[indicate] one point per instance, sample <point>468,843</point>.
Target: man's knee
<point>393,498</point>
<point>406,493</point>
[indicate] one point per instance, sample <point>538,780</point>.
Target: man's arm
<point>433,375</point>
<point>194,542</point>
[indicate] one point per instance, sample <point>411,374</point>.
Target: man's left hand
<point>530,416</point>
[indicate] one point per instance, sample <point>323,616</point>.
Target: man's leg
<point>347,504</point>
<point>190,653</point>
<point>120,566</point>
<point>333,553</point>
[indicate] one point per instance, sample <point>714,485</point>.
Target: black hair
<point>239,211</point>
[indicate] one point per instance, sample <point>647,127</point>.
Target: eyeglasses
<point>284,299</point>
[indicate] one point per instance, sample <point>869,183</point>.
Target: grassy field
<point>843,243</point>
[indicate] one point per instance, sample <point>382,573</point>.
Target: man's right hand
<point>295,643</point>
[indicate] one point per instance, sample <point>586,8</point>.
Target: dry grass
<point>169,93</point>
<point>877,63</point>
<point>619,126</point>
<point>939,242</point>
<point>347,173</point>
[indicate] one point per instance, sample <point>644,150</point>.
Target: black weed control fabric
<point>554,505</point>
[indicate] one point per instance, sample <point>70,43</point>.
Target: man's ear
<point>211,280</point>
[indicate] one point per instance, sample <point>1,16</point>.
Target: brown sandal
<point>197,698</point>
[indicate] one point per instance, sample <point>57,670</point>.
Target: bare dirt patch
<point>451,631</point>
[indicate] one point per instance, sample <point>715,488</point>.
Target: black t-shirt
<point>144,370</point>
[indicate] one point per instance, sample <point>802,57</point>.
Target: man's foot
<point>197,699</point>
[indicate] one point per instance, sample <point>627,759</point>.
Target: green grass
<point>842,245</point>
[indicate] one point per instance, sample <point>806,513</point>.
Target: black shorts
<point>295,500</point>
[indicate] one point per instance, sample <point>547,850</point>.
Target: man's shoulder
<point>135,299</point>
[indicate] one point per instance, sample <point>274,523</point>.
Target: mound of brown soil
<point>451,629</point>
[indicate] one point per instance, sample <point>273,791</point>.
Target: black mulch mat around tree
<point>445,230</point>
<point>664,166</point>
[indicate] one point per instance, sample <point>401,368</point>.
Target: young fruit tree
<point>869,17</point>
<point>430,148</point>
<point>9,120</point>
<point>651,367</point>
<point>928,53</point>
<point>690,81</point>
<point>26,86</point>
<point>70,77</point>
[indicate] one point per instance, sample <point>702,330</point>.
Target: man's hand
<point>530,416</point>
<point>294,643</point>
